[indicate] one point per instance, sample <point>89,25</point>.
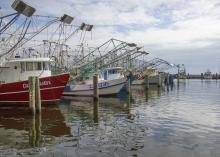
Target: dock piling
<point>128,85</point>
<point>34,94</point>
<point>95,87</point>
<point>37,95</point>
<point>146,82</point>
<point>159,83</point>
<point>31,83</point>
<point>96,111</point>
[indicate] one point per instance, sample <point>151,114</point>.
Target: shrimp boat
<point>14,75</point>
<point>110,82</point>
<point>152,79</point>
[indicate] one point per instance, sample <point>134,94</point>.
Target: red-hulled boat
<point>14,85</point>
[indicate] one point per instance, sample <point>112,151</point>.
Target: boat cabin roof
<point>30,60</point>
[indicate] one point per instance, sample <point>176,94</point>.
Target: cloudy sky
<point>180,31</point>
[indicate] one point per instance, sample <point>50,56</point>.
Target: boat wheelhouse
<point>19,69</point>
<point>111,73</point>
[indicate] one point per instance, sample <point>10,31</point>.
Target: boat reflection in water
<point>86,108</point>
<point>20,131</point>
<point>139,92</point>
<point>105,127</point>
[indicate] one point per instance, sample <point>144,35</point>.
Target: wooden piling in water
<point>95,87</point>
<point>146,82</point>
<point>96,111</point>
<point>178,76</point>
<point>32,131</point>
<point>128,85</point>
<point>159,82</point>
<point>31,84</point>
<point>34,94</point>
<point>37,95</point>
<point>38,124</point>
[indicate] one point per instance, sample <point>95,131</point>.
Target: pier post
<point>96,111</point>
<point>37,95</point>
<point>178,75</point>
<point>168,79</point>
<point>146,82</point>
<point>38,124</point>
<point>32,131</point>
<point>159,83</point>
<point>95,87</point>
<point>188,76</point>
<point>128,85</point>
<point>31,85</point>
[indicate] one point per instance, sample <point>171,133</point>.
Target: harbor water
<point>183,120</point>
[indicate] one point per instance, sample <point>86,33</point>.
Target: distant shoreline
<point>199,76</point>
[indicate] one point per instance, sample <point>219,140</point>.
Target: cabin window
<point>29,66</point>
<point>110,71</point>
<point>22,66</point>
<point>34,65</point>
<point>45,66</point>
<point>37,66</point>
<point>113,71</point>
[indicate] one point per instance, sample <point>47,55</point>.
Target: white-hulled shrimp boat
<point>110,82</point>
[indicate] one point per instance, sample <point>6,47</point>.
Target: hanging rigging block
<point>86,27</point>
<point>23,8</point>
<point>66,19</point>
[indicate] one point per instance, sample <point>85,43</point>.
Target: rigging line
<point>23,26</point>
<point>41,29</point>
<point>2,17</point>
<point>91,34</point>
<point>1,23</point>
<point>34,24</point>
<point>13,33</point>
<point>54,32</point>
<point>23,29</point>
<point>17,42</point>
<point>80,36</point>
<point>54,17</point>
<point>84,37</point>
<point>9,23</point>
<point>75,31</point>
<point>61,44</point>
<point>15,36</point>
<point>56,43</point>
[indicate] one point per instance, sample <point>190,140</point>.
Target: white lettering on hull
<point>42,83</point>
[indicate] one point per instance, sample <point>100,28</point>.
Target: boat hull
<point>109,87</point>
<point>153,80</point>
<point>51,89</point>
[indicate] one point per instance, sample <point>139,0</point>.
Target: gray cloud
<point>180,31</point>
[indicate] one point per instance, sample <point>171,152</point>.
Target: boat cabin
<point>151,72</point>
<point>112,73</point>
<point>19,69</point>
